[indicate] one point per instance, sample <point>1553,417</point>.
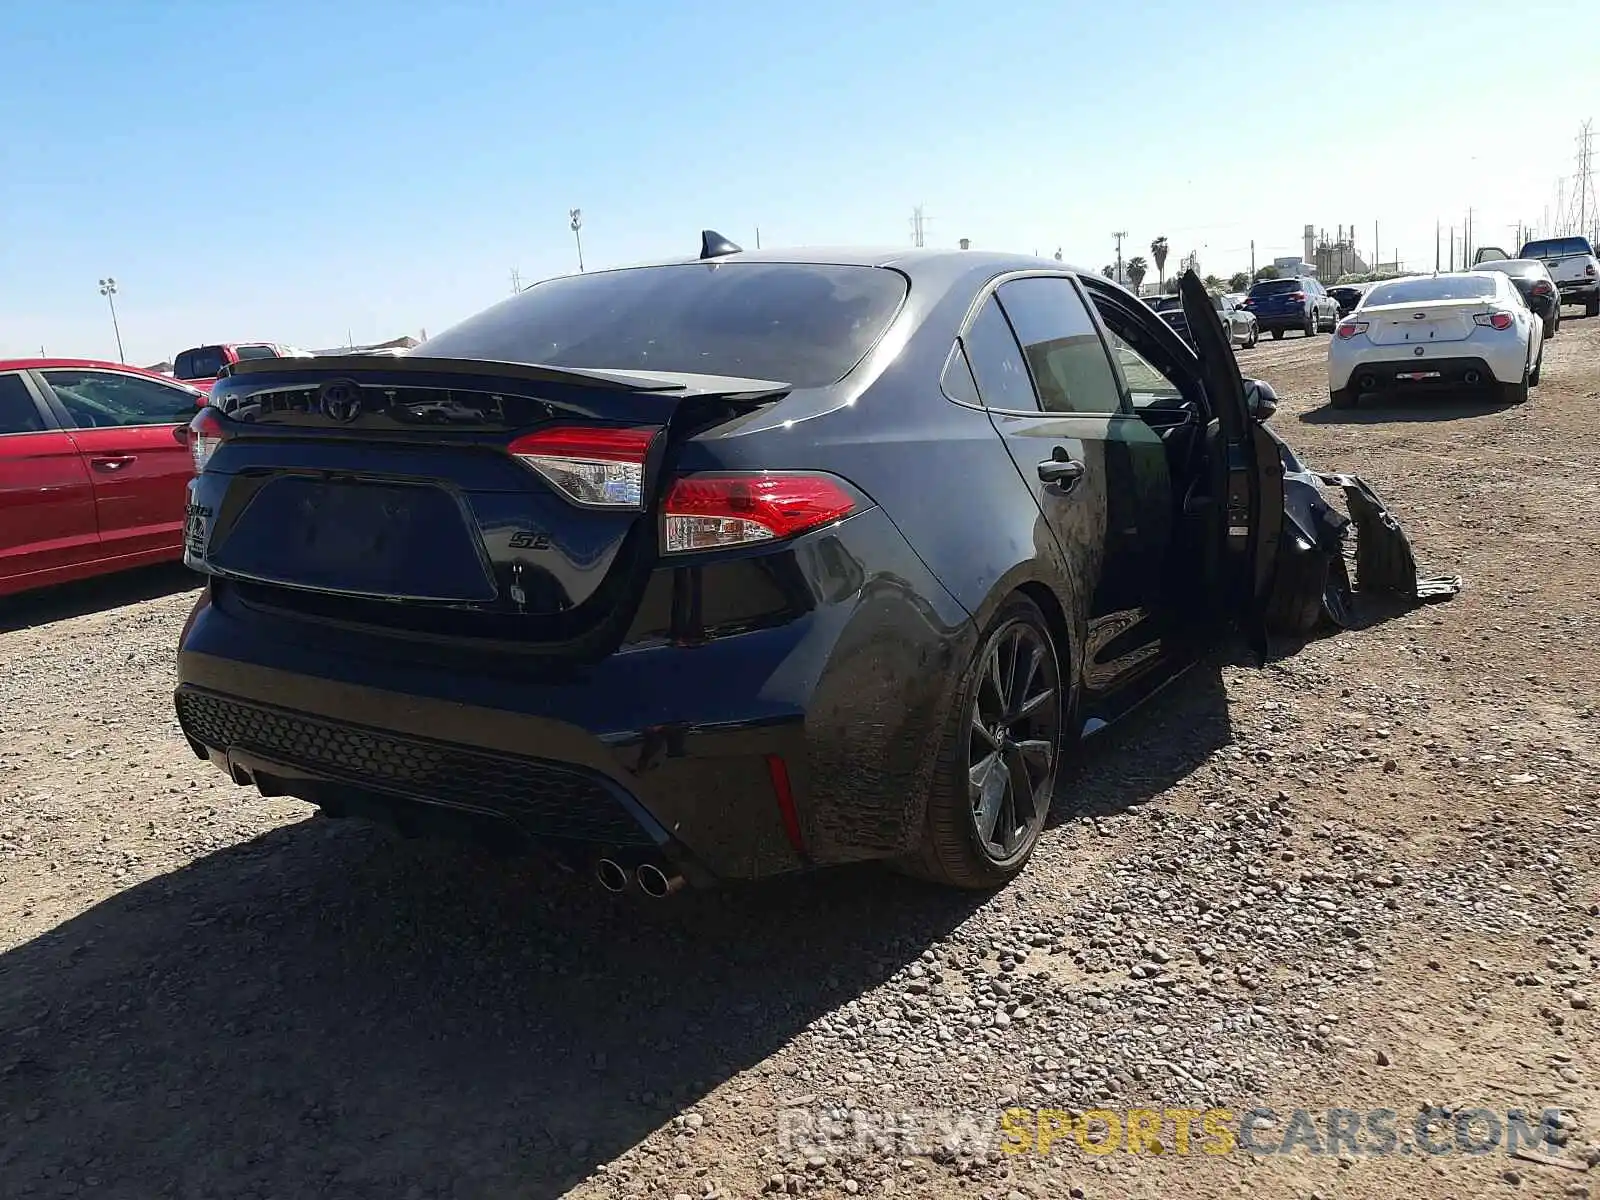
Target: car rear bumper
<point>734,754</point>
<point>1296,320</point>
<point>1574,290</point>
<point>1415,374</point>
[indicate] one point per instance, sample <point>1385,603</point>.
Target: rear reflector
<point>595,466</point>
<point>206,432</point>
<point>1495,320</point>
<point>715,510</point>
<point>778,773</point>
<point>1348,329</point>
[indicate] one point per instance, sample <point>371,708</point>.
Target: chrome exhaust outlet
<point>654,882</point>
<point>1472,377</point>
<point>611,876</point>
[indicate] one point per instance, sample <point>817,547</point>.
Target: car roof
<point>1504,266</point>
<point>41,364</point>
<point>928,265</point>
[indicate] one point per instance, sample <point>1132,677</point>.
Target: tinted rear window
<point>1445,287</point>
<point>204,363</point>
<point>1276,287</point>
<point>1168,303</point>
<point>806,324</point>
<point>245,352</point>
<point>1556,247</point>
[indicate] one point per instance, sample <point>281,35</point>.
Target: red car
<point>94,464</point>
<point>199,367</point>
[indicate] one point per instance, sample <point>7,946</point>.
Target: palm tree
<point>1137,269</point>
<point>1158,251</point>
<point>1109,271</point>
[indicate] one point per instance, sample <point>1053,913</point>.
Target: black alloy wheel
<point>999,752</point>
<point>1014,718</point>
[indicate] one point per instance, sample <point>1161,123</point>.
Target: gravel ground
<point>1360,878</point>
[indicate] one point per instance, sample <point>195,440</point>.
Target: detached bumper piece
<point>346,768</point>
<point>1314,586</point>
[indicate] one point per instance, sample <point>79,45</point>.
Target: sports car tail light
<point>1541,288</point>
<point>1494,320</point>
<point>716,510</point>
<point>1348,329</point>
<point>207,431</point>
<point>594,466</point>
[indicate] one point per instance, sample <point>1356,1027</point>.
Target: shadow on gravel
<point>1373,410</point>
<point>324,1012</point>
<point>1152,749</point>
<point>68,600</point>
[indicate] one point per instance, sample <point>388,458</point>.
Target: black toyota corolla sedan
<point>720,568</point>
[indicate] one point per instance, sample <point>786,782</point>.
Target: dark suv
<point>1299,302</point>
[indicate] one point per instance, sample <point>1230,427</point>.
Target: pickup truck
<point>200,366</point>
<point>1572,264</point>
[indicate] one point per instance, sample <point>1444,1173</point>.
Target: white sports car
<point>1437,332</point>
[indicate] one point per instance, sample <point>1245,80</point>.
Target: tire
<point>1344,397</point>
<point>1552,327</point>
<point>1311,324</point>
<point>1277,334</point>
<point>1591,307</point>
<point>1515,393</point>
<point>1255,336</point>
<point>1533,376</point>
<point>955,851</point>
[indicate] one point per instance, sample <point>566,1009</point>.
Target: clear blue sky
<point>292,170</point>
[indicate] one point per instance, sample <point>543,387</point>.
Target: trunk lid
<point>475,498</point>
<point>1429,321</point>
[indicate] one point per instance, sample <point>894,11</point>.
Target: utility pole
<point>1252,259</point>
<point>1466,242</point>
<point>1452,247</point>
<point>758,237</point>
<point>575,216</point>
<point>1436,247</point>
<point>1375,255</point>
<point>1119,235</point>
<point>108,289</point>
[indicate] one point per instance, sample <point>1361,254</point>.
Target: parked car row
<point>1570,261</point>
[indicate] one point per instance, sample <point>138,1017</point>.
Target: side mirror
<point>1259,398</point>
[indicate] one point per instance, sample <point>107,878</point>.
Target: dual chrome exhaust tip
<point>652,880</point>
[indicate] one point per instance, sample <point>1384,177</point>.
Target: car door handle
<point>112,462</point>
<point>1063,472</point>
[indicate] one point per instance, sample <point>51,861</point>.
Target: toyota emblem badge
<point>340,400</point>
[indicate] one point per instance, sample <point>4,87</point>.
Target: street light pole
<point>577,223</point>
<point>108,289</point>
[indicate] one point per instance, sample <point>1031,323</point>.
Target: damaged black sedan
<point>721,568</point>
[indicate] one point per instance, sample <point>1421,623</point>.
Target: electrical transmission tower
<point>1582,212</point>
<point>918,220</point>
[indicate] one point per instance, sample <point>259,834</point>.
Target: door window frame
<point>987,293</point>
<point>64,418</point>
<point>1182,354</point>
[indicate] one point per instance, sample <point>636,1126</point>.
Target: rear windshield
<point>1556,248</point>
<point>245,352</point>
<point>806,324</point>
<point>1276,287</point>
<point>1444,287</point>
<point>203,363</point>
<point>1167,303</point>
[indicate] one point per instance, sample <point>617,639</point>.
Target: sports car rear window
<point>1443,287</point>
<point>806,324</point>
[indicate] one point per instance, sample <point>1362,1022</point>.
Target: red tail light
<point>1247,302</point>
<point>715,510</point>
<point>1541,288</point>
<point>1348,329</point>
<point>1495,320</point>
<point>593,466</point>
<point>207,431</point>
<point>1589,270</point>
<point>1297,295</point>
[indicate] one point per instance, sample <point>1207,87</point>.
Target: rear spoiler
<point>360,365</point>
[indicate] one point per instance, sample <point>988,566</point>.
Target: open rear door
<point>1253,524</point>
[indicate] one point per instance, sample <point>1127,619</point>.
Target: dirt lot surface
<point>1362,878</point>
